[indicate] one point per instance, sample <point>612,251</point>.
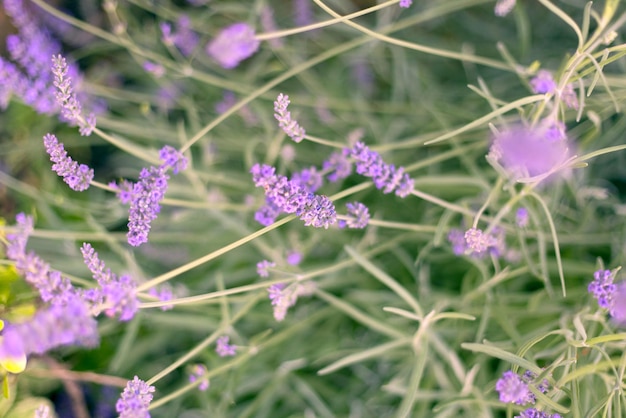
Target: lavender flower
<point>405,3</point>
<point>267,214</point>
<point>294,257</point>
<point>57,325</point>
<point>78,177</point>
<point>521,217</point>
<point>52,286</point>
<point>543,82</point>
<point>290,196</point>
<point>283,116</point>
<point>477,241</point>
<point>618,306</point>
<point>224,349</point>
<point>534,413</point>
<point>117,295</point>
<point>513,389</point>
<point>528,152</point>
<point>309,179</point>
<point>262,267</point>
<point>145,195</point>
<point>184,38</point>
<point>199,371</point>
<point>370,164</point>
<point>156,70</point>
<point>283,297</point>
<point>504,7</point>
<point>164,294</point>
<point>135,399</point>
<point>602,287</point>
<point>338,165</point>
<point>233,44</point>
<point>71,108</point>
<point>456,237</point>
<point>358,216</point>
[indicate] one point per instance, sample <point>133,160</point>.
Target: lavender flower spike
<point>513,389</point>
<point>233,44</point>
<point>71,108</point>
<point>135,399</point>
<point>224,349</point>
<point>358,216</point>
<point>76,176</point>
<point>386,176</point>
<point>283,116</point>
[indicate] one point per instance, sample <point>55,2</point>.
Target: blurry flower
<point>456,238</point>
<point>172,158</point>
<point>57,325</point>
<point>269,25</point>
<point>358,216</point>
<point>135,399</point>
<point>477,241</point>
<point>569,97</point>
<point>504,7</point>
<point>288,153</point>
<point>283,297</point>
<point>309,179</point>
<point>513,389</point>
<point>164,294</point>
<point>386,176</point>
<point>338,165</point>
<point>618,305</point>
<point>78,177</point>
<point>224,349</point>
<point>521,217</point>
<point>233,44</point>
<point>405,3</point>
<point>302,12</point>
<point>529,152</point>
<point>156,70</point>
<point>543,82</point>
<point>283,116</point>
<point>294,257</point>
<point>262,267</point>
<point>199,371</point>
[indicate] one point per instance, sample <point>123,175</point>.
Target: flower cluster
<point>284,297</point>
<point>285,122</point>
<point>534,413</point>
<point>145,195</point>
<point>610,295</point>
<point>183,38</point>
<point>291,196</point>
<point>530,152</point>
<point>513,388</point>
<point>386,176</point>
<point>233,44</point>
<point>338,165</point>
<point>71,108</point>
<point>521,217</point>
<point>57,325</point>
<point>405,3</point>
<point>116,295</point>
<point>135,399</point>
<point>78,177</point>
<point>262,267</point>
<point>543,82</point>
<point>199,371</point>
<point>224,349</point>
<point>358,216</point>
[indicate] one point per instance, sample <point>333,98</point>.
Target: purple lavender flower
<point>135,399</point>
<point>71,109</point>
<point>358,216</point>
<point>309,179</point>
<point>513,389</point>
<point>528,152</point>
<point>52,286</point>
<point>285,122</point>
<point>224,349</point>
<point>267,214</point>
<point>504,7</point>
<point>338,165</point>
<point>534,413</point>
<point>521,217</point>
<point>456,238</point>
<point>117,295</point>
<point>156,70</point>
<point>405,3</point>
<point>262,267</point>
<point>618,305</point>
<point>199,371</point>
<point>543,82</point>
<point>291,197</point>
<point>78,177</point>
<point>57,325</point>
<point>233,44</point>
<point>172,158</point>
<point>294,257</point>
<point>602,288</point>
<point>164,294</point>
<point>184,38</point>
<point>477,241</point>
<point>283,297</point>
<point>370,164</point>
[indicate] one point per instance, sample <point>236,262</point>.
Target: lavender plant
<point>312,208</point>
